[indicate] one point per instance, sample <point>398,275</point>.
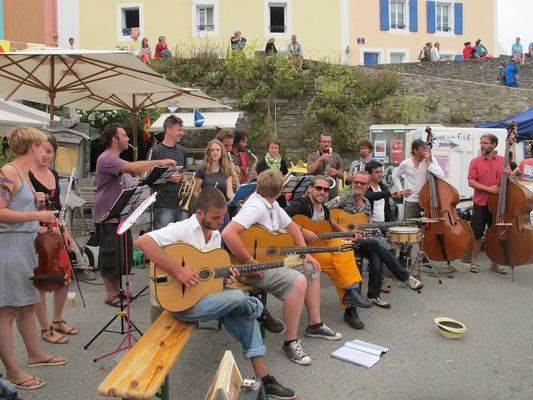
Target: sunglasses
<point>321,188</point>
<point>359,183</point>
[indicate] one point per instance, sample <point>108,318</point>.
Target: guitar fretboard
<point>376,225</point>
<point>308,250</point>
<point>223,272</point>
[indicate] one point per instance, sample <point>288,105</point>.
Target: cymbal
<point>426,220</point>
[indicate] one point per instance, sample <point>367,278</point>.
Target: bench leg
<point>164,392</point>
<point>264,301</point>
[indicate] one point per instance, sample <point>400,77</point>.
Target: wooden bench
<point>145,368</point>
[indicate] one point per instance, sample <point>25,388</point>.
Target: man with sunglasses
<point>340,267</point>
<point>372,248</point>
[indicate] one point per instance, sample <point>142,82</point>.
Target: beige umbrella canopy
<point>91,80</point>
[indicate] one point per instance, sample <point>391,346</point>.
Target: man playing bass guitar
<point>235,309</point>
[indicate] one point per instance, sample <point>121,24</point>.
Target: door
<point>371,58</point>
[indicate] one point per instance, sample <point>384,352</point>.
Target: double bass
<point>509,239</point>
<point>449,237</point>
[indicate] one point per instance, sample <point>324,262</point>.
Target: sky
<point>514,18</point>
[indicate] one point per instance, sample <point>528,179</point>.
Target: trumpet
<point>185,194</point>
<point>326,168</point>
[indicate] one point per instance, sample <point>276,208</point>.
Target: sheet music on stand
<point>159,175</point>
<point>297,185</point>
<point>244,191</point>
<point>125,202</point>
<point>134,217</point>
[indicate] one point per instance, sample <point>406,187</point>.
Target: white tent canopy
<point>13,114</point>
<point>212,120</point>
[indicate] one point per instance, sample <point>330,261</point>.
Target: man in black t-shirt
<point>165,208</point>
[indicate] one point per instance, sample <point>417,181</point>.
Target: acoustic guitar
<point>323,229</point>
<point>266,246</point>
<point>359,221</point>
<point>211,266</point>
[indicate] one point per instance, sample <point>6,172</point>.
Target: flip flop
<point>57,341</point>
<point>113,301</point>
<point>71,331</point>
<point>49,362</point>
<point>20,385</point>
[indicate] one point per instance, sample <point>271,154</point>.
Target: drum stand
<point>422,258</point>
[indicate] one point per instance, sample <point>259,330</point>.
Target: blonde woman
<point>19,225</point>
<point>215,170</point>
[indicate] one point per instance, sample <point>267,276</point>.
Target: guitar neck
<point>376,225</point>
<point>224,272</point>
<point>335,235</point>
<point>308,250</point>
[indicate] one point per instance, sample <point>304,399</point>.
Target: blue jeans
<point>237,311</point>
<point>165,216</point>
<point>377,254</point>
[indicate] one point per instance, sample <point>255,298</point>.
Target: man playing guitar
<point>292,286</point>
<point>372,248</point>
<point>234,308</point>
<point>340,267</point>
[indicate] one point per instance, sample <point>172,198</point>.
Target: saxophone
<point>326,168</point>
<point>251,168</point>
<point>234,176</point>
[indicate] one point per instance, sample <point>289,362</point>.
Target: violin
<point>51,274</point>
<point>449,237</point>
<point>509,239</point>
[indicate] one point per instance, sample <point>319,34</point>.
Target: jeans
<point>165,216</point>
<point>237,311</point>
<point>377,253</point>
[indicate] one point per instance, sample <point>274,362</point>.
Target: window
<point>66,159</point>
<point>397,14</point>
<point>397,58</point>
<point>277,18</point>
<point>129,21</point>
<point>443,14</point>
<point>205,18</point>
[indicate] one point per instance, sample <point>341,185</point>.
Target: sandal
<point>59,328</point>
<point>498,269</point>
<point>60,340</point>
<point>24,384</point>
<point>113,301</point>
<point>474,268</point>
<point>49,362</point>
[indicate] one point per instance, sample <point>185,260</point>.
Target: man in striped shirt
<point>166,205</point>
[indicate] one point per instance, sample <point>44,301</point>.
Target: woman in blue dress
<point>19,225</point>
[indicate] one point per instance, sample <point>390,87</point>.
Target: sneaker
<point>414,283</point>
<point>295,353</point>
<point>380,303</point>
<point>271,323</point>
<point>275,390</point>
<point>323,332</point>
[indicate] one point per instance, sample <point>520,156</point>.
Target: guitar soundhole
<point>271,251</point>
<point>204,274</point>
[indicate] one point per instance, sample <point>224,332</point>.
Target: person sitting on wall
<point>296,51</point>
<point>517,51</point>
<point>512,74</point>
<point>161,48</point>
<point>270,48</point>
<point>468,50</point>
<point>481,50</point>
<point>238,41</point>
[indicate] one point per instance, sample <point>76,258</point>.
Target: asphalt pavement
<point>493,359</point>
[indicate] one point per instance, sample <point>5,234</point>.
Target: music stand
<point>296,185</point>
<point>244,191</point>
<point>123,206</point>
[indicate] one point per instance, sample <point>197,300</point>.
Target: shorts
<point>481,217</point>
<point>111,256</point>
<point>279,282</point>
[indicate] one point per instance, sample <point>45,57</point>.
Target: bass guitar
<point>359,221</point>
<point>509,239</point>
<point>447,237</point>
<point>211,266</point>
<point>266,246</point>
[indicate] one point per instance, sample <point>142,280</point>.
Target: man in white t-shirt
<point>293,287</point>
<point>234,308</point>
<point>415,171</point>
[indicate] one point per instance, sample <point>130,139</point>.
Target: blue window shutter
<point>413,15</point>
<point>458,18</point>
<point>430,5</point>
<point>384,15</point>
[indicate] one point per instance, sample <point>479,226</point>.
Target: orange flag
<point>146,125</point>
